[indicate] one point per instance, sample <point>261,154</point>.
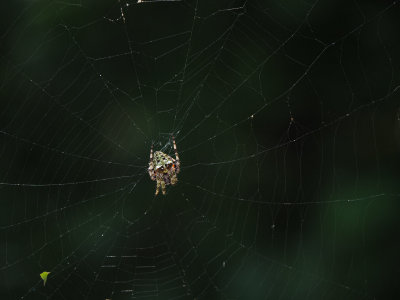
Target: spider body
<point>163,168</point>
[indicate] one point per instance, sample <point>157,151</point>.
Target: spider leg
<point>177,161</point>
<point>158,187</point>
<point>163,187</point>
<point>174,179</point>
<point>151,165</point>
<point>151,153</point>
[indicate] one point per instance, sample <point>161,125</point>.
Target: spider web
<point>287,122</point>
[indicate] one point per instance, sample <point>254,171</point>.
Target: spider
<point>163,168</point>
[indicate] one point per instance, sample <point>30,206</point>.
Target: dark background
<point>287,120</point>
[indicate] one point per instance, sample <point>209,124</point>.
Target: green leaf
<point>44,275</point>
